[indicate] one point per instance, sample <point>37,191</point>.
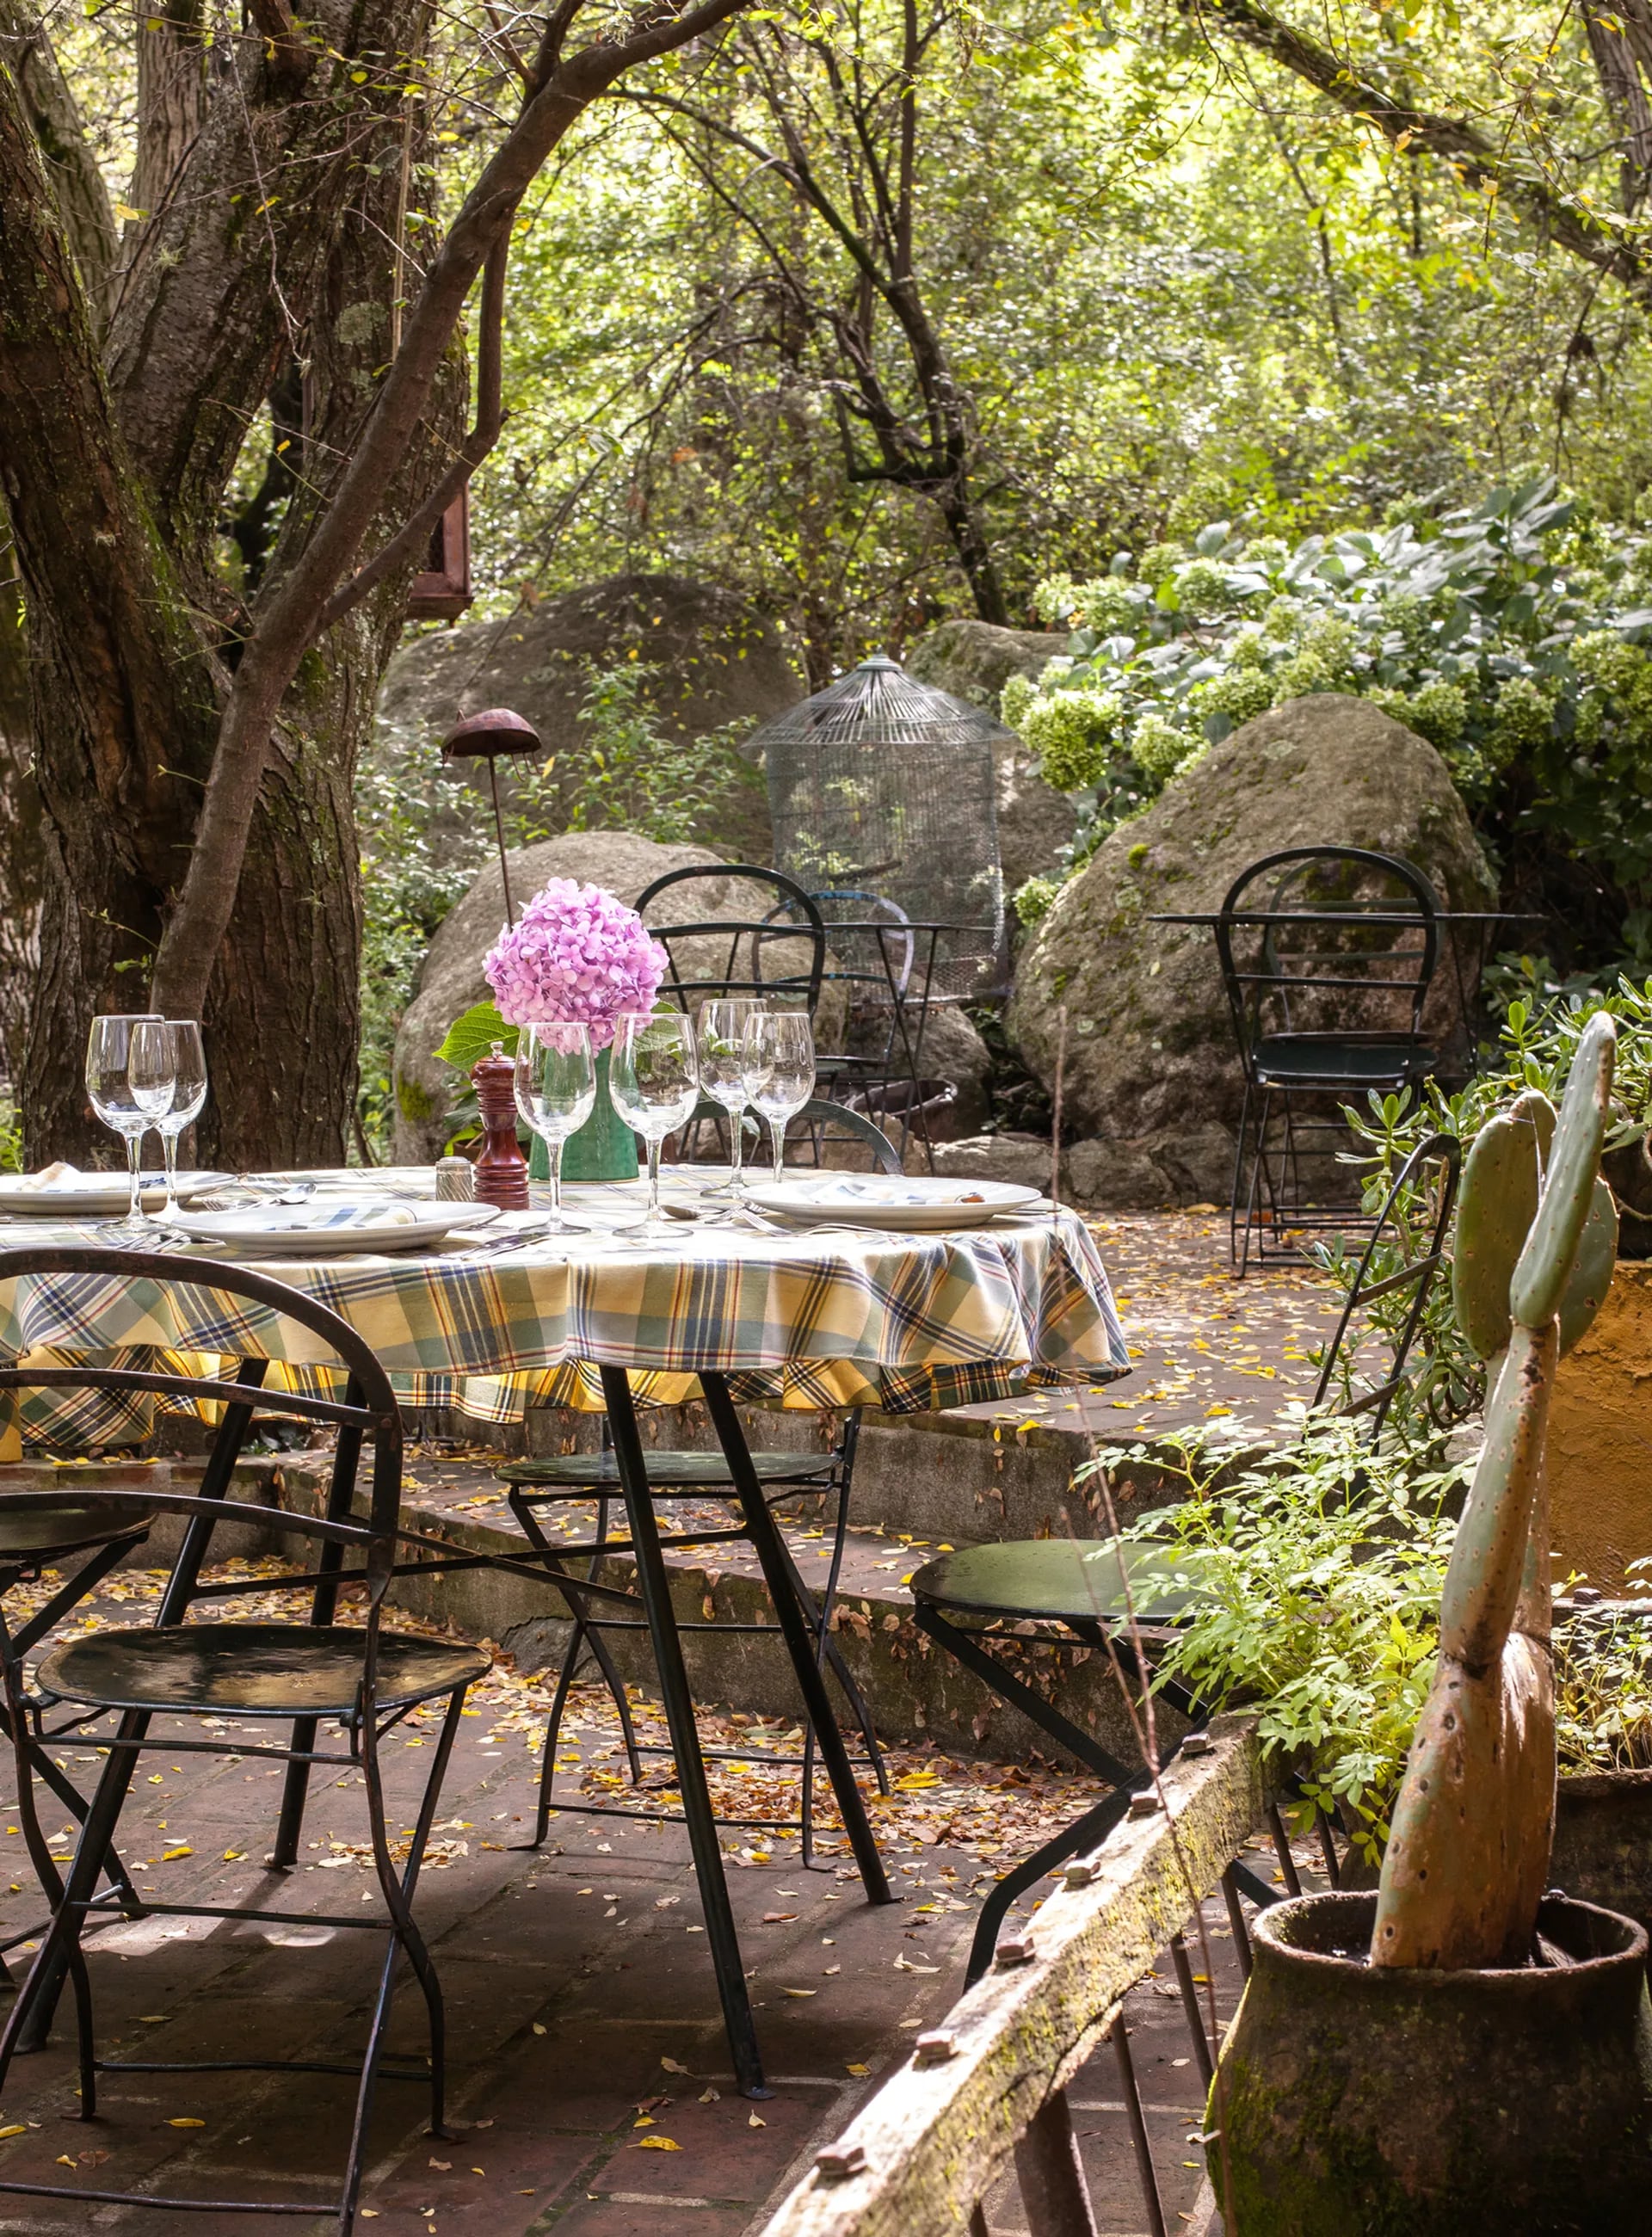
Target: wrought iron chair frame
<point>1268,1201</point>
<point>368,1406</point>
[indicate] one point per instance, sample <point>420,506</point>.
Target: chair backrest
<point>871,944</point>
<point>824,1127</point>
<point>1330,942</point>
<point>704,952</point>
<point>1397,1268</point>
<point>226,1307</point>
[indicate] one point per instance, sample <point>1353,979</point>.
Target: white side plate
<point>919,1205</point>
<point>93,1196</point>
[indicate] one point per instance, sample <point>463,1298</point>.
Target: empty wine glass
<point>556,1093</point>
<point>779,1051</point>
<point>189,1093</point>
<point>130,1080</point>
<point>655,1084</point>
<point>722,1024</point>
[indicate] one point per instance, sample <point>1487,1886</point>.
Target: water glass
<point>722,1024</point>
<point>779,1052</point>
<point>129,1079</point>
<point>654,1078</point>
<point>188,1094</point>
<point>556,1093</point>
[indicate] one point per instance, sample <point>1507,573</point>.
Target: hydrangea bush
<point>1510,636</point>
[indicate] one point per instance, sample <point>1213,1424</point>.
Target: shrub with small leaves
<point>1160,749</point>
<point>1034,899</point>
<point>1072,733</point>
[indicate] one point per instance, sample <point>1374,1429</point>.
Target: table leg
<point>795,1630</point>
<point>654,1587</point>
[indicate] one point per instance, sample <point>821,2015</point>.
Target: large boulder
<point>1152,1077</point>
<point>719,660</point>
<point>450,977</point>
<point>974,661</point>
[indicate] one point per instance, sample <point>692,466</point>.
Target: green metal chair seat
<point>667,1471</point>
<point>253,1669</point>
<point>1064,1579</point>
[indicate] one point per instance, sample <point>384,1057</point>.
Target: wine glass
<point>779,1054</point>
<point>722,1024</point>
<point>655,1084</point>
<point>556,1093</point>
<point>189,1093</point>
<point>130,1080</point>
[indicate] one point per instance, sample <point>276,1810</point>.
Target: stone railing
<point>987,2091</point>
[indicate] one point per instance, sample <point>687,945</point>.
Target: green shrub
<point>1505,636</point>
<point>1034,899</point>
<point>1072,733</point>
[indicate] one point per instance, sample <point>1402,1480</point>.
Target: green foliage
<point>1505,635</point>
<point>405,894</point>
<point>469,1038</point>
<point>1534,1049</point>
<point>628,773</point>
<point>1034,899</point>
<point>1319,1577</point>
<point>1603,1688</point>
<point>11,1134</point>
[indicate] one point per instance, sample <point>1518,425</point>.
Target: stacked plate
<point>918,1206</point>
<point>69,1196</point>
<point>332,1226</point>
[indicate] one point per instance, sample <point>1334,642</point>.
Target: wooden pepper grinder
<point>501,1169</point>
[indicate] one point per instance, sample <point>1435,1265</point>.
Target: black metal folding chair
<point>302,1673</point>
<point>1326,954</point>
<point>1090,1591</point>
<point>536,1485</point>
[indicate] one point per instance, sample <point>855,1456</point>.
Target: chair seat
<point>52,1525</point>
<point>667,1471</point>
<point>1329,1060</point>
<point>1066,1579</point>
<point>253,1669</point>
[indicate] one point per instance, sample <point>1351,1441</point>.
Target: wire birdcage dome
<point>882,788</point>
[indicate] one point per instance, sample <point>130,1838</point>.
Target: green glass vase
<point>605,1149</point>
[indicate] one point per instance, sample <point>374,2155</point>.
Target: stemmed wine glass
<point>556,1093</point>
<point>130,1079</point>
<point>779,1057</point>
<point>722,1024</point>
<point>189,1093</point>
<point>655,1084</point>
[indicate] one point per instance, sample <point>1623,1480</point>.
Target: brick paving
<point>590,2085</point>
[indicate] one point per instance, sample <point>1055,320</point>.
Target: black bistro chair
<point>303,1674</point>
<point>1090,1590</point>
<point>709,955</point>
<point>1326,954</point>
<point>533,1486</point>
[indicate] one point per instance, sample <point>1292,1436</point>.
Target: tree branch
<point>1473,159</point>
<point>83,198</point>
<point>411,539</point>
<point>288,608</point>
<point>289,56</point>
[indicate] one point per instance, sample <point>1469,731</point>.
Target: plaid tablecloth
<point>906,1323</point>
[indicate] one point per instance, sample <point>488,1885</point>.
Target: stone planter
<point>1603,1842</point>
<point>1372,2101</point>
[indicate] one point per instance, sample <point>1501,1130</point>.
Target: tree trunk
<point>20,880</point>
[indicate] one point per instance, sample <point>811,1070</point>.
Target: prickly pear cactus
<point>1468,1855</point>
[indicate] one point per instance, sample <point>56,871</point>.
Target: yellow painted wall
<point>1600,1438</point>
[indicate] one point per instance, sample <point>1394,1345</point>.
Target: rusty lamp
<point>483,737</point>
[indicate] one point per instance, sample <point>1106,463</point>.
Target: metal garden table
<point>813,1318</point>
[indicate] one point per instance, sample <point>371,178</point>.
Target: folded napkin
<point>315,1214</point>
<point>54,1176</point>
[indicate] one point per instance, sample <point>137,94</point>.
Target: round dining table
<point>731,1305</point>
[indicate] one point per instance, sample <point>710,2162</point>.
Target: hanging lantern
<point>441,589</point>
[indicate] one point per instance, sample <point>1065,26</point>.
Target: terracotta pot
<point>1374,2102</point>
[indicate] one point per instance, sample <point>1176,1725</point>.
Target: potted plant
<point>1460,2051</point>
<point>576,955</point>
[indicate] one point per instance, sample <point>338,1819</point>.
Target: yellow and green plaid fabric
<point>906,1323</point>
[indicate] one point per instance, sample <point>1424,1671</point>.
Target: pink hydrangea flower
<point>575,956</point>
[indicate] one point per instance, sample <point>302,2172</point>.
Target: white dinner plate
<point>332,1226</point>
<point>920,1205</point>
<point>92,1196</point>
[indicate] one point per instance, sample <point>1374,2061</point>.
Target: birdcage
<point>883,794</point>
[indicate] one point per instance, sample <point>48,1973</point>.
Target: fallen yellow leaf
<point>855,2067</point>
<point>186,2121</point>
<point>17,2128</point>
<point>171,1856</point>
<point>753,2122</point>
<point>656,2144</point>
